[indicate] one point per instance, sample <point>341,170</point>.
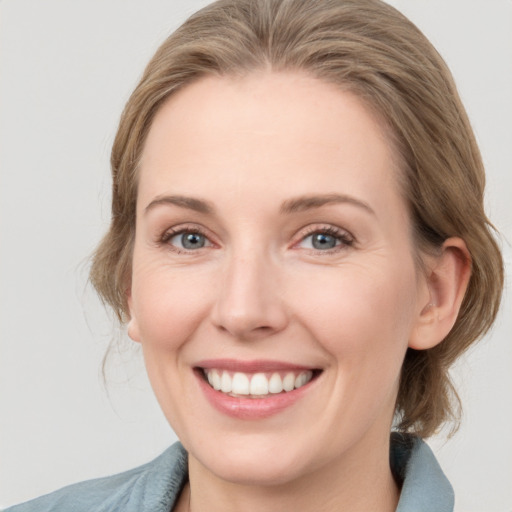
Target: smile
<point>256,385</point>
<point>253,390</point>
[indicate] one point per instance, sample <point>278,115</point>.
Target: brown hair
<point>369,48</point>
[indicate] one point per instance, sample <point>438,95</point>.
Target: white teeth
<point>215,380</point>
<point>257,384</point>
<point>226,385</point>
<point>301,379</point>
<point>240,384</point>
<point>289,382</point>
<point>275,384</point>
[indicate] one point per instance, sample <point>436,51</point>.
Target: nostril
<point>247,326</point>
<point>263,328</point>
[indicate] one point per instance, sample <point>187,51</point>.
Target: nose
<point>249,302</point>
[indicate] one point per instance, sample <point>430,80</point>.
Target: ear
<point>447,279</point>
<point>132,328</point>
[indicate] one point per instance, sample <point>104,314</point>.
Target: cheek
<point>168,306</point>
<point>363,319</point>
<point>361,313</point>
<point>168,303</point>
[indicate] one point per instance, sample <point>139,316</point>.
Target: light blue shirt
<point>155,487</point>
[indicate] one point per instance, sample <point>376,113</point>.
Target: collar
<point>425,488</point>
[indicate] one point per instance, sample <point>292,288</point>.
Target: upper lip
<point>257,365</point>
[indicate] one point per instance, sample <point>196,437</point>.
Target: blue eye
<point>325,240</point>
<point>189,240</point>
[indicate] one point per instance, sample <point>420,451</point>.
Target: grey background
<point>66,69</point>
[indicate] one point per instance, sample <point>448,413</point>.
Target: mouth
<point>254,390</point>
<point>256,385</point>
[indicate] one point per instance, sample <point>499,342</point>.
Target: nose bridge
<point>249,302</point>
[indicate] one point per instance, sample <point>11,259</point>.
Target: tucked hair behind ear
<point>370,49</point>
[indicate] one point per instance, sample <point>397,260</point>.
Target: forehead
<point>266,128</point>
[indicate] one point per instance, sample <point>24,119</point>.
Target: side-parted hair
<point>368,48</point>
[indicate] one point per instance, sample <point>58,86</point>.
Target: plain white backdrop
<point>66,70</point>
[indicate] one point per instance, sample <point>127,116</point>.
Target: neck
<point>358,481</point>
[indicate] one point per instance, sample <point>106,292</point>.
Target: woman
<point>298,243</point>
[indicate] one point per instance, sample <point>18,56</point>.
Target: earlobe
<point>447,281</point>
<point>132,327</point>
<point>133,330</point>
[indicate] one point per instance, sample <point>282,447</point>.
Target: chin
<point>256,459</point>
<point>248,469</point>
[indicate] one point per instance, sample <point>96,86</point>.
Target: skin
<point>259,289</point>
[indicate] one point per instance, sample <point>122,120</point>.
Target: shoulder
<point>152,487</point>
<point>424,485</point>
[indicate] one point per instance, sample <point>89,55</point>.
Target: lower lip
<point>251,408</point>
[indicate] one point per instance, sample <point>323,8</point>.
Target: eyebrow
<point>304,203</point>
<point>191,203</point>
<point>299,204</point>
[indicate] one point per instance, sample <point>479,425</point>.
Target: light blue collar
<point>425,488</point>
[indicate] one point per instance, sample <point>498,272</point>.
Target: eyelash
<point>344,237</point>
<point>171,233</point>
<point>340,235</point>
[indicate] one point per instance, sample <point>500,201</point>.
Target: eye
<point>327,239</point>
<point>186,240</point>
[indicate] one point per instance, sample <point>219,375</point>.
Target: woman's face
<point>272,250</point>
